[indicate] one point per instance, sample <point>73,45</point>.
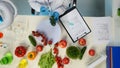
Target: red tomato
<point>39,48</point>
<point>50,42</point>
<point>58,60</point>
<point>60,66</point>
<point>56,44</point>
<point>65,60</point>
<point>20,51</point>
<point>62,43</point>
<point>45,41</point>
<point>91,52</point>
<point>55,50</point>
<point>82,41</point>
<point>1,34</point>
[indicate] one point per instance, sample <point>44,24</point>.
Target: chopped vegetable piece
<point>72,52</point>
<point>32,40</point>
<point>47,60</point>
<point>82,52</point>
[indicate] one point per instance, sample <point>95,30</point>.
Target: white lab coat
<point>56,5</point>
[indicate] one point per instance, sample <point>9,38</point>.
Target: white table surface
<point>13,40</point>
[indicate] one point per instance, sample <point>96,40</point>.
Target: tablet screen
<point>74,24</point>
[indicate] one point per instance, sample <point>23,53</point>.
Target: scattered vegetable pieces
<point>61,62</point>
<point>44,39</point>
<point>47,60</point>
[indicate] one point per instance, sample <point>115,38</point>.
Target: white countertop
<point>14,39</point>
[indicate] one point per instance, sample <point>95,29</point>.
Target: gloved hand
<point>44,10</point>
<point>55,15</point>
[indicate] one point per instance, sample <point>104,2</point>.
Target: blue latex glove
<point>56,16</point>
<point>1,20</point>
<point>44,10</point>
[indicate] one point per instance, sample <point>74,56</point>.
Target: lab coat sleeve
<point>60,10</point>
<point>35,4</point>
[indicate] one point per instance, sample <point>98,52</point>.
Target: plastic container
<point>7,12</point>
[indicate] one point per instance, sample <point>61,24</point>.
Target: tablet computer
<point>74,24</point>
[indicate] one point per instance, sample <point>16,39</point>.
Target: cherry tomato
<point>56,44</point>
<point>65,60</point>
<point>55,50</point>
<point>50,42</point>
<point>45,41</point>
<point>33,33</point>
<point>82,41</point>
<point>62,43</point>
<point>1,34</point>
<point>91,52</point>
<point>39,48</point>
<point>58,60</point>
<point>60,66</point>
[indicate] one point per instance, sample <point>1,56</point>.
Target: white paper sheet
<point>101,29</point>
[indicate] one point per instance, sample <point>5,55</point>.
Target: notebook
<point>113,56</point>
